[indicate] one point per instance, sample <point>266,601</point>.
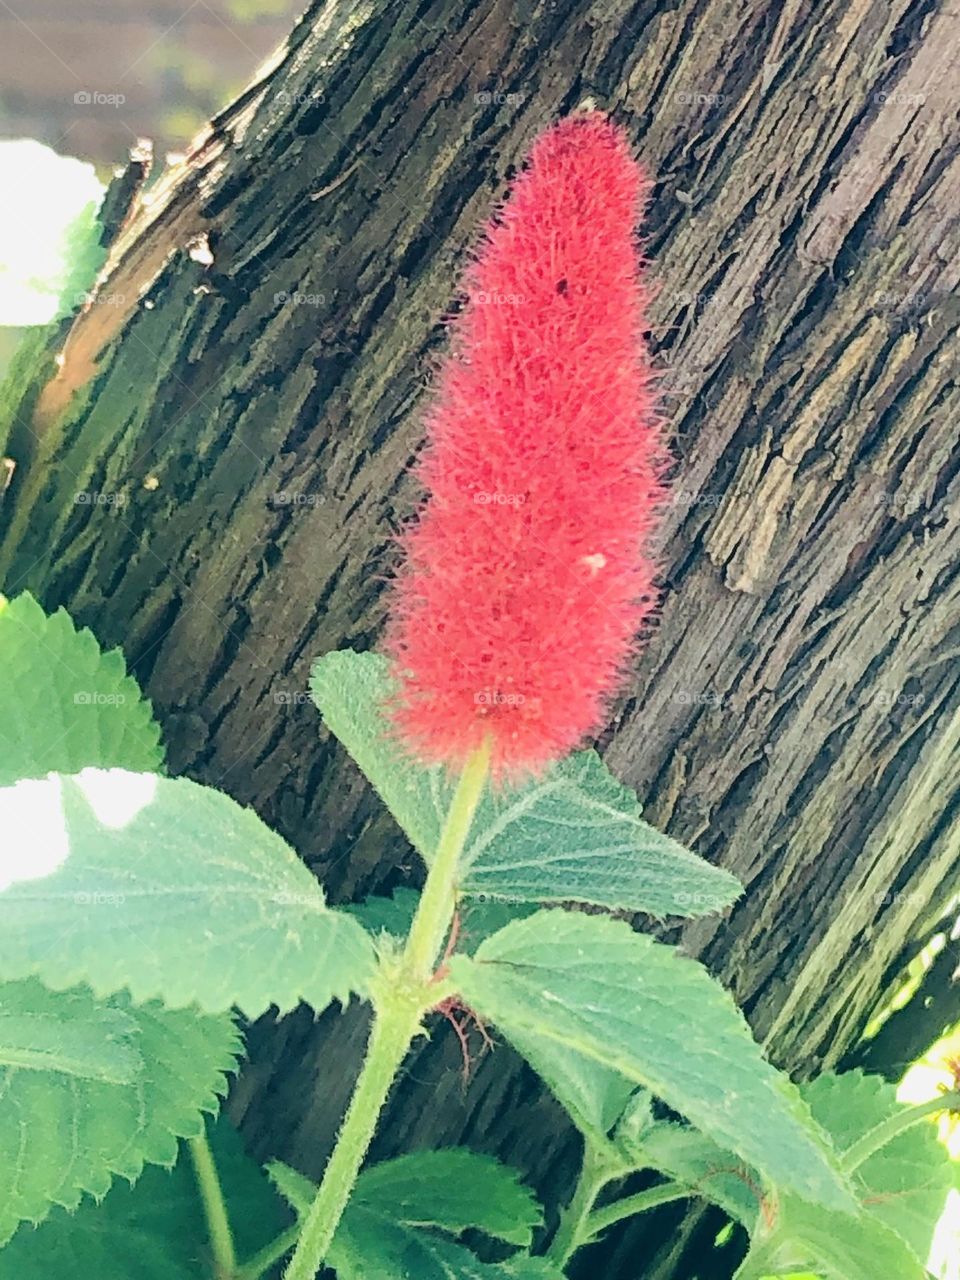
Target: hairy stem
<point>405,992</point>
<point>572,1232</point>
<point>214,1208</point>
<point>600,1219</point>
<point>393,1030</point>
<point>893,1126</point>
<point>435,910</point>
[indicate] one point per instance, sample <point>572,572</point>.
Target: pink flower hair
<point>528,573</point>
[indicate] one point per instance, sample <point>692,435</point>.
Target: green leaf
<point>835,1246</point>
<point>574,835</point>
<point>295,1187</point>
<point>452,1190</point>
<point>370,1244</point>
<point>62,1135</point>
<point>905,1184</point>
<point>903,1189</point>
<point>169,889</point>
<point>384,1232</point>
<point>63,703</point>
<point>593,1094</point>
<point>709,1170</point>
<point>68,1032</point>
<point>154,1230</point>
<point>642,1009</point>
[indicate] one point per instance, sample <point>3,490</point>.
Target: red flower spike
<point>527,575</point>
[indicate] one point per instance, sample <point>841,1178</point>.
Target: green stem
<point>399,1006</point>
<point>760,1262</point>
<point>393,1030</point>
<point>893,1126</point>
<point>214,1208</point>
<point>264,1258</point>
<point>600,1219</point>
<point>435,909</point>
<point>571,1233</point>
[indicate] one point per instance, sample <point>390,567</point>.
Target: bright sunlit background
<point>87,78</point>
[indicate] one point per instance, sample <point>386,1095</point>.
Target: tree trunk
<point>247,424</point>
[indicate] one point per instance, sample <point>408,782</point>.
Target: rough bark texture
<point>795,713</point>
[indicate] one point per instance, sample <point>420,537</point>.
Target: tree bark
<point>794,714</point>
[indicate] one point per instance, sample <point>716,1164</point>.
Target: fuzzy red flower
<point>527,574</point>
